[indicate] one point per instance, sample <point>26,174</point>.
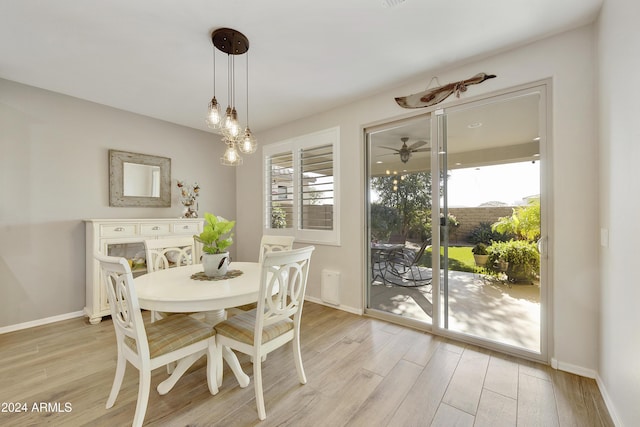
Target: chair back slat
<point>123,300</point>
<point>270,244</point>
<point>421,251</point>
<point>164,253</point>
<point>283,284</point>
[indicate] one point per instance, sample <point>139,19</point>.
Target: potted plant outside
<point>216,237</point>
<point>522,257</point>
<point>480,254</point>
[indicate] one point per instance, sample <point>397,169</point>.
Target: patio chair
<point>380,260</point>
<point>404,264</point>
<point>378,265</point>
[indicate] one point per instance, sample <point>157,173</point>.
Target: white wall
<point>54,173</point>
<point>619,60</point>
<point>569,60</point>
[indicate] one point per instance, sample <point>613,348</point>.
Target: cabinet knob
<point>119,229</point>
<point>185,227</point>
<point>156,228</point>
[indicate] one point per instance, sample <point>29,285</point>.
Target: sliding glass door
<point>399,216</point>
<point>469,262</point>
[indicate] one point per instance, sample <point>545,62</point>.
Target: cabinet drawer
<point>154,229</point>
<point>186,228</point>
<point>118,230</point>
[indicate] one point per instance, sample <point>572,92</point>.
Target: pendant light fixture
<point>233,43</point>
<point>213,119</point>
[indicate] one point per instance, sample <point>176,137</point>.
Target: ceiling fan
<point>406,151</point>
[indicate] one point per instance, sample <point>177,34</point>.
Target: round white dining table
<point>173,290</point>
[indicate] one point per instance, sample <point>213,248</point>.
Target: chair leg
<point>219,366</point>
<point>117,380</point>
<point>143,396</point>
<point>297,357</point>
<point>171,367</point>
<point>257,382</point>
<point>212,362</point>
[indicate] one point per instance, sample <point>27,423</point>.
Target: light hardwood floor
<point>360,371</point>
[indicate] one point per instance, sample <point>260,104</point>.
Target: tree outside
<point>403,205</point>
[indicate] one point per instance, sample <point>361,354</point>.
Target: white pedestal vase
<point>215,265</point>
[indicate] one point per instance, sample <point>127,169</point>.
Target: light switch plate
<point>604,237</point>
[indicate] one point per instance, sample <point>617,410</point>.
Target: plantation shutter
<point>280,172</point>
<point>316,183</point>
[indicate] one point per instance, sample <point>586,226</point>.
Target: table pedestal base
<point>212,318</point>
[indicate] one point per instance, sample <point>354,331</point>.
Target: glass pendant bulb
<point>234,128</point>
<point>247,142</point>
<point>231,156</point>
<point>213,116</point>
<point>226,123</point>
<point>230,128</point>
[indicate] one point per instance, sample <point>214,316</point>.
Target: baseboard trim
<point>52,319</point>
<point>608,402</point>
<point>573,369</point>
<point>40,322</point>
<point>590,373</point>
<point>338,307</point>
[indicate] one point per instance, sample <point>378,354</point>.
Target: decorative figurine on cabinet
<point>188,197</point>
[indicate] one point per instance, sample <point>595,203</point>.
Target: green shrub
<point>384,221</point>
<point>524,222</point>
<point>523,258</point>
<point>480,249</point>
<point>483,233</point>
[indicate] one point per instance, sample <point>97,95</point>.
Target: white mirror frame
<point>116,179</point>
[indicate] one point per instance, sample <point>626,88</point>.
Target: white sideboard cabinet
<point>124,238</point>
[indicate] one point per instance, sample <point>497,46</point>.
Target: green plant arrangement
<point>483,233</point>
<point>216,236</point>
<point>480,254</point>
<point>480,249</point>
<point>523,258</point>
<point>524,222</point>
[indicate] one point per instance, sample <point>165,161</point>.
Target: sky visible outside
<point>509,184</point>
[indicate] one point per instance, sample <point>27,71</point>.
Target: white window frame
<point>294,145</point>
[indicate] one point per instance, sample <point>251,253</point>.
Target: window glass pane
<point>280,201</point>
<point>316,188</point>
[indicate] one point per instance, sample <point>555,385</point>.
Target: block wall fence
<point>470,218</point>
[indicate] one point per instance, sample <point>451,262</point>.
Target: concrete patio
<point>478,305</point>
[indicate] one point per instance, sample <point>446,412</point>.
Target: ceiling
<point>154,57</point>
<point>492,132</point>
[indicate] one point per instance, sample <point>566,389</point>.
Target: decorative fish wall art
<point>439,94</point>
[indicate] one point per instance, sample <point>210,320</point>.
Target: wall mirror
<point>139,180</point>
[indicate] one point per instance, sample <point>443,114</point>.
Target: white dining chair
<point>169,252</point>
<point>276,320</point>
<point>270,244</point>
<point>166,253</point>
<point>151,346</point>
